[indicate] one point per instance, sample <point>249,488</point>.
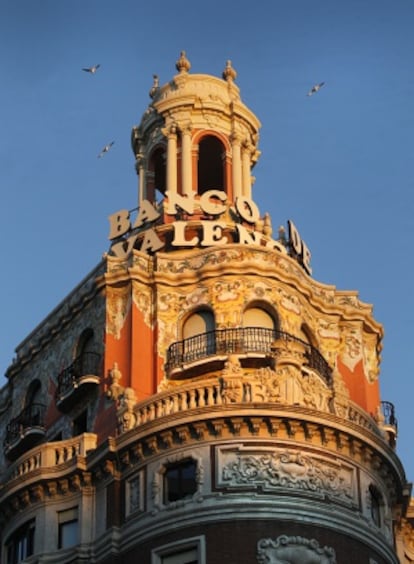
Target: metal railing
<point>388,412</point>
<point>241,340</point>
<point>32,416</point>
<point>88,363</point>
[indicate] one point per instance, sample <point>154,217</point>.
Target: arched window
<point>258,317</point>
<point>199,335</point>
<point>33,405</point>
<point>34,393</point>
<point>260,327</point>
<point>307,336</point>
<point>201,321</point>
<point>159,168</point>
<point>87,358</point>
<point>210,165</point>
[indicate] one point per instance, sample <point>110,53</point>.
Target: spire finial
<point>155,86</point>
<point>183,64</point>
<point>229,73</point>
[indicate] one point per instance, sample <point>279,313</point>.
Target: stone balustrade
<point>52,454</point>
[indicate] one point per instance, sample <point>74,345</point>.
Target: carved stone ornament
<point>115,389</point>
<point>283,469</point>
<point>125,414</point>
<point>293,550</point>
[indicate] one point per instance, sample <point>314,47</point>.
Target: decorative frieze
<point>294,550</point>
<point>277,469</point>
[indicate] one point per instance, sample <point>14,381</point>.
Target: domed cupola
<point>195,136</point>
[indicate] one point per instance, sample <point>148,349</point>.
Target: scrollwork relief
<point>119,304</point>
<point>293,550</point>
<point>284,469</point>
<point>289,385</point>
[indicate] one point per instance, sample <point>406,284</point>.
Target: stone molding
<point>293,550</point>
<point>278,469</point>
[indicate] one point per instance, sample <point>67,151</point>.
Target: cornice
<point>195,266</point>
<point>295,429</point>
<point>60,317</point>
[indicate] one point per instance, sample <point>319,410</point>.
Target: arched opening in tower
<point>210,165</point>
<point>159,168</point>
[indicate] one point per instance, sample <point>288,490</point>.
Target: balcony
<point>25,431</point>
<point>253,345</point>
<point>77,379</point>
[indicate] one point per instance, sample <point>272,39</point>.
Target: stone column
<point>236,166</point>
<point>171,134</point>
<point>186,161</point>
<point>142,189</point>
<point>246,176</point>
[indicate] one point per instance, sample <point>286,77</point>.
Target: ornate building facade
<point>199,397</point>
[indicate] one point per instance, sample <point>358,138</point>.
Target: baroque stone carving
<point>125,414</point>
<point>293,550</point>
<point>119,304</point>
<point>115,389</point>
<point>284,469</point>
<point>289,385</point>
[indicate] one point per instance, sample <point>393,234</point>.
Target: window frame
<point>26,534</point>
<point>65,518</point>
<point>137,506</point>
<point>160,554</point>
<point>181,466</point>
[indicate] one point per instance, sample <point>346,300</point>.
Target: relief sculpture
<point>284,469</point>
<point>293,550</point>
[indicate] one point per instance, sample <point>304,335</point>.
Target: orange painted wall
<point>142,347</point>
<point>364,393</point>
<point>118,350</point>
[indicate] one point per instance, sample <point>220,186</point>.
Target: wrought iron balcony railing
<point>88,364</point>
<point>241,340</point>
<point>29,421</point>
<point>388,422</point>
<point>388,412</point>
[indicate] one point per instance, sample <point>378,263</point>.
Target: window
<point>180,480</point>
<point>199,335</point>
<point>68,528</point>
<point>210,165</point>
<point>259,329</point>
<point>33,405</point>
<point>187,557</point>
<point>80,424</point>
<point>21,543</point>
<point>134,494</point>
<point>198,323</point>
<point>188,551</point>
<point>34,393</point>
<point>376,502</point>
<point>158,162</point>
<point>258,317</point>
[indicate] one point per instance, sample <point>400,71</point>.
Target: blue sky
<point>339,164</point>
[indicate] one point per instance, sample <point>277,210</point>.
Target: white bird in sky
<point>92,70</point>
<point>105,149</point>
<point>315,88</point>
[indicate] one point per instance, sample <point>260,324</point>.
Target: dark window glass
<point>375,506</point>
<point>21,544</point>
<point>68,534</point>
<point>210,165</point>
<point>80,424</point>
<point>180,480</point>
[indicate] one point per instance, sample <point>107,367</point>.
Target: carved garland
<point>294,550</point>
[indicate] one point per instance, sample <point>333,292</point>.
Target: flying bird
<point>315,88</point>
<point>105,149</point>
<point>92,70</point>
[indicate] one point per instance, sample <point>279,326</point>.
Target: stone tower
<point>199,397</point>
